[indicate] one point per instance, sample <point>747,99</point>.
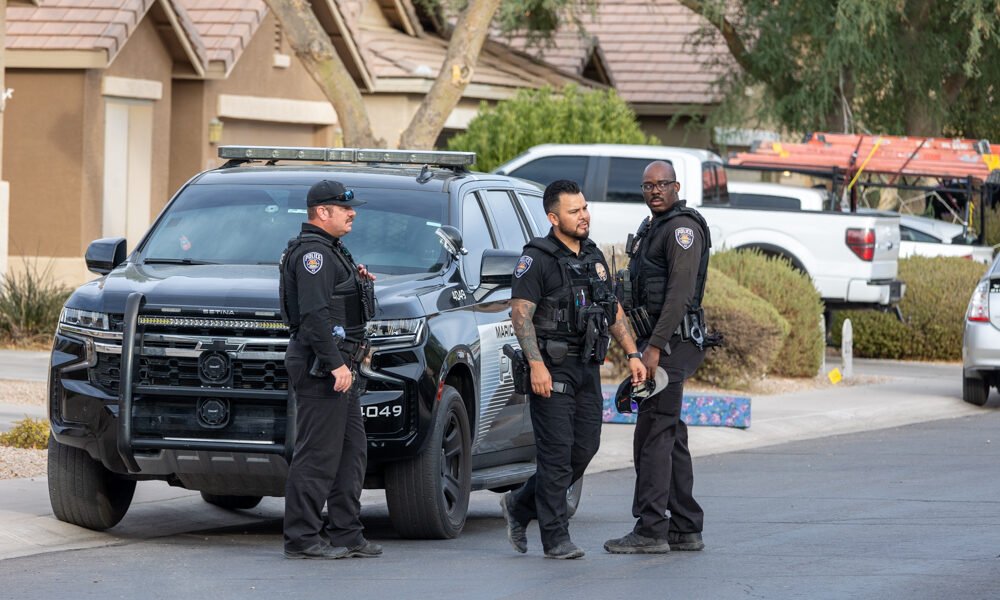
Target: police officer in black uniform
<point>563,312</point>
<point>326,299</point>
<point>669,262</point>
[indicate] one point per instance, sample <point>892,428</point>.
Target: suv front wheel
<point>428,496</point>
<point>83,492</point>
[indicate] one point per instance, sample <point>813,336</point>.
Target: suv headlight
<point>396,331</point>
<point>84,318</point>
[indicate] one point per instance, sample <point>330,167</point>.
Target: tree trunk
<point>456,72</point>
<point>313,47</point>
<point>715,15</point>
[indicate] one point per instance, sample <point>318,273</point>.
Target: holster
<point>520,370</point>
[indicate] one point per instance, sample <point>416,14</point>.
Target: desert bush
<point>753,330</point>
<point>937,295</point>
<point>754,333</point>
<point>27,433</point>
<point>545,116</point>
<point>29,304</point>
<point>793,294</point>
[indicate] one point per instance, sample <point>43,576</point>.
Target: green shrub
<point>794,296</point>
<point>937,295</point>
<point>754,333</point>
<point>27,433</point>
<point>29,304</point>
<point>572,116</point>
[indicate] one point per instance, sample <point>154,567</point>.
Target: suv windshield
<point>393,233</point>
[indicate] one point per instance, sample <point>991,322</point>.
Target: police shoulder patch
<point>684,237</point>
<point>601,271</point>
<point>312,261</point>
<point>523,264</point>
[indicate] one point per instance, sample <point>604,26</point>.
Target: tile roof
<point>225,26</point>
<point>392,54</point>
<point>87,25</point>
<point>648,47</point>
<point>74,24</point>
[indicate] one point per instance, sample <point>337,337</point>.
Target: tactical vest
<point>352,302</point>
<point>564,314</point>
<point>648,274</point>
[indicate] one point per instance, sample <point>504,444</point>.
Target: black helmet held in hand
<point>628,398</point>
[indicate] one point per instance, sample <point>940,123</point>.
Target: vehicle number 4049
<point>384,411</point>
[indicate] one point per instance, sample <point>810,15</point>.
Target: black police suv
<point>169,366</point>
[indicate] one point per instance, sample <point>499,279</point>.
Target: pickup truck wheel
<point>975,391</point>
<point>231,502</point>
<point>83,492</point>
<point>573,495</point>
<point>428,496</point>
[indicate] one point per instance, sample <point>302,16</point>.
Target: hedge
<point>754,334</point>
<point>795,297</point>
<point>937,295</point>
<point>546,116</point>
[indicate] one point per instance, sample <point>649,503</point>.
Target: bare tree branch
<point>313,47</point>
<point>456,73</point>
<point>729,34</point>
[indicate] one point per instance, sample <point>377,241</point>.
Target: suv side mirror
<point>498,267</point>
<point>451,239</point>
<point>105,254</point>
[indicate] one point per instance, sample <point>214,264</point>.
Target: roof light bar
<point>359,155</point>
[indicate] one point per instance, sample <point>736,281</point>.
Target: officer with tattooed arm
<point>564,313</point>
<point>663,289</point>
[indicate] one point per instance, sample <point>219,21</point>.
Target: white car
<point>775,196</point>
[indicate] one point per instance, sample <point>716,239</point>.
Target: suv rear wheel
<point>83,492</point>
<point>231,502</point>
<point>428,496</point>
<point>975,391</point>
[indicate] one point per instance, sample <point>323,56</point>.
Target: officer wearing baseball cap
<point>326,300</point>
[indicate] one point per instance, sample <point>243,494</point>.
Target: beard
<point>573,233</point>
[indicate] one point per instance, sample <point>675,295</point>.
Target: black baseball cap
<point>331,192</point>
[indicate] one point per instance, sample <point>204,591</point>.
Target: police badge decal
<point>684,237</point>
<point>313,262</point>
<point>523,264</point>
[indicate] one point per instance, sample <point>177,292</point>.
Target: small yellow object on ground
<point>834,376</point>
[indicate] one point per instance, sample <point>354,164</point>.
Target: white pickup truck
<point>852,258</point>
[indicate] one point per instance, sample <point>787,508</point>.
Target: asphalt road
<point>907,513</point>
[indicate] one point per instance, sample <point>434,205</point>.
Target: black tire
<point>428,496</point>
<point>231,502</point>
<point>573,495</point>
<point>83,492</point>
<point>975,391</point>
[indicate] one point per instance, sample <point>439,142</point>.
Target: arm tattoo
<point>621,334</point>
<point>521,313</point>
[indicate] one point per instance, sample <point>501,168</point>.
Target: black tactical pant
<point>567,435</point>
<point>328,465</point>
<point>664,476</point>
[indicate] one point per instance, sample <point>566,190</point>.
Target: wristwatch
<point>632,355</point>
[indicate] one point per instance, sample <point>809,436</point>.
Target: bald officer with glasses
<point>666,279</point>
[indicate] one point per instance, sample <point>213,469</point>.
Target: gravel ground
<point>23,392</point>
<point>19,462</point>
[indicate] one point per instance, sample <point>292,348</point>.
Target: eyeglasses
<point>661,185</point>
